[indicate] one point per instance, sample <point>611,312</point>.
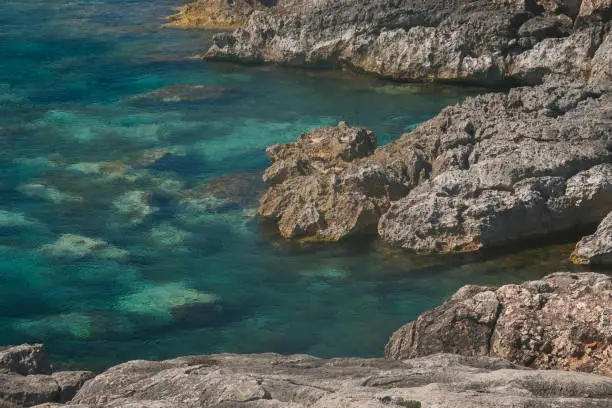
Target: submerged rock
<point>69,325</point>
<point>238,190</point>
<point>168,236</point>
<point>48,193</point>
<point>135,206</point>
<point>187,93</point>
<point>9,219</point>
<point>161,301</point>
<point>597,248</point>
<point>71,246</point>
<point>466,40</point>
<point>563,321</point>
<point>271,380</point>
<point>26,378</point>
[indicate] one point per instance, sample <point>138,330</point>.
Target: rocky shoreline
<point>494,170</point>
<point>562,322</point>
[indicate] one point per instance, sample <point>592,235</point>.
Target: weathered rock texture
<point>26,378</point>
<point>466,40</point>
<point>563,321</point>
<point>597,248</point>
<point>600,7</point>
<point>495,169</point>
<point>269,380</point>
<point>218,14</point>
<point>502,168</point>
<point>318,192</point>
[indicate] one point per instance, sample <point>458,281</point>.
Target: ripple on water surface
<point>129,180</point>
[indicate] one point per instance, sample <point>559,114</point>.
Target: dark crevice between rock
<point>493,324</point>
<point>316,387</point>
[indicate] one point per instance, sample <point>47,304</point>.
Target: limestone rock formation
<point>317,191</point>
<point>563,321</point>
<point>217,14</point>
<point>495,169</point>
<point>270,380</point>
<point>466,40</point>
<point>589,7</point>
<point>601,64</point>
<point>26,378</point>
<point>537,162</point>
<point>25,359</point>
<point>597,248</point>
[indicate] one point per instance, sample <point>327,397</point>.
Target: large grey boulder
<point>271,380</point>
<point>25,359</point>
<point>596,249</point>
<point>563,321</point>
<point>502,168</point>
<point>26,378</point>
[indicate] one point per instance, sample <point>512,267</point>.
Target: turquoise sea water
<point>127,220</point>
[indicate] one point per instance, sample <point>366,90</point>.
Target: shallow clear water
<point>177,269</point>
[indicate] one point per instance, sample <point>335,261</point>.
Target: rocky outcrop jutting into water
<point>466,40</point>
<point>563,321</point>
<point>318,190</point>
<point>495,169</point>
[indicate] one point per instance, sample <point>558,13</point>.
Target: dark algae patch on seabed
<point>130,177</point>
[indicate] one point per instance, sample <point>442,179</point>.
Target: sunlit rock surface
<point>271,380</point>
<point>466,40</point>
<point>560,322</point>
<point>596,249</point>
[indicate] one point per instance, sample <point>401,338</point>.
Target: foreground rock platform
<point>563,321</point>
<point>560,322</point>
<point>270,380</point>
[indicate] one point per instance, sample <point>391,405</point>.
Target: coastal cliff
<point>462,40</point>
